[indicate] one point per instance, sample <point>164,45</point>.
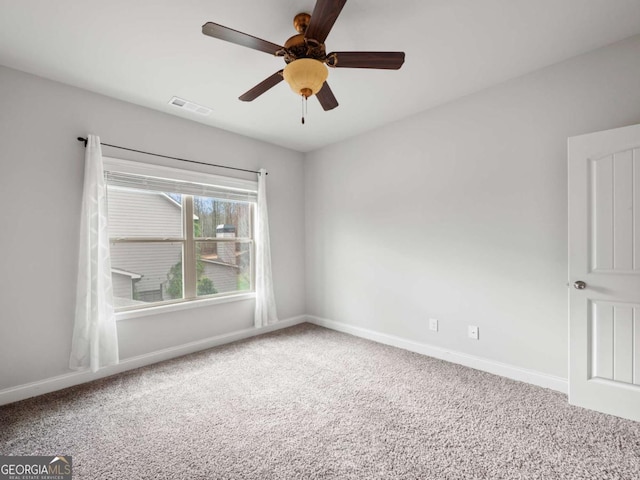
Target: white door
<point>604,271</point>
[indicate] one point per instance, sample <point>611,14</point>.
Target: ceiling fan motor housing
<point>298,46</point>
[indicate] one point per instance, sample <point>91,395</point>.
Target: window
<point>177,236</point>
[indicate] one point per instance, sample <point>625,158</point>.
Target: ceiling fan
<point>305,54</point>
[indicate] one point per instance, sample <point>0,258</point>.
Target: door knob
<point>579,285</point>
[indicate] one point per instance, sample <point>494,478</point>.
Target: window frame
<point>189,241</point>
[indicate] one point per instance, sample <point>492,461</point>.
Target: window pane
<point>143,213</point>
<point>145,273</point>
<point>223,267</point>
<point>215,217</point>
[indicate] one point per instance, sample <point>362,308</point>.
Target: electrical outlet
<point>433,324</point>
<point>474,332</point>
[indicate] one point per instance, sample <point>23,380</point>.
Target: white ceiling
<point>146,51</point>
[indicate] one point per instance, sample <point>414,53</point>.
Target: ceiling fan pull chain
<point>303,99</point>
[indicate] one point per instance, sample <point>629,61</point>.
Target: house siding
<point>143,214</point>
<point>151,260</point>
<point>224,277</point>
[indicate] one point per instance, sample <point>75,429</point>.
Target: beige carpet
<point>310,403</point>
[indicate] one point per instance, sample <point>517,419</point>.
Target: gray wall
<point>460,213</point>
<point>41,171</point>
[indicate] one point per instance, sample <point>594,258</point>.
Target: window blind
<point>169,185</point>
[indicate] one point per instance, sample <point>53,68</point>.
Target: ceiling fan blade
<point>384,60</point>
<point>262,87</point>
<point>326,98</point>
<point>323,17</point>
<point>229,35</point>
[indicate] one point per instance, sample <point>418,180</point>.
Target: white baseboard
<point>28,390</point>
<point>497,368</point>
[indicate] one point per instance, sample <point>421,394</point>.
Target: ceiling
<point>147,51</point>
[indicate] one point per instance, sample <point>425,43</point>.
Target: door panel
<point>613,355</point>
<point>604,252</point>
<point>602,213</point>
<point>615,212</point>
<point>601,341</point>
<point>623,211</point>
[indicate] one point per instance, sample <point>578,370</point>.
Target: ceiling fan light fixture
<point>305,76</point>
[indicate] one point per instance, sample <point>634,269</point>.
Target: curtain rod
<point>82,139</point>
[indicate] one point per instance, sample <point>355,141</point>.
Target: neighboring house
<point>123,282</point>
<point>140,270</point>
<point>226,265</point>
<point>224,276</point>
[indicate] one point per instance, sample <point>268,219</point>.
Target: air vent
<point>189,106</point>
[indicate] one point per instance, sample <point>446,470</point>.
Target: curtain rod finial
<point>81,139</point>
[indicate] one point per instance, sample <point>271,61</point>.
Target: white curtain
<point>95,341</point>
<point>265,300</point>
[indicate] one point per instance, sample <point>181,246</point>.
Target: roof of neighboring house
<point>218,262</point>
<point>225,228</point>
<point>134,276</point>
<point>176,202</point>
<point>213,258</point>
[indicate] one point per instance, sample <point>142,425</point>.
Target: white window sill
<point>186,305</point>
